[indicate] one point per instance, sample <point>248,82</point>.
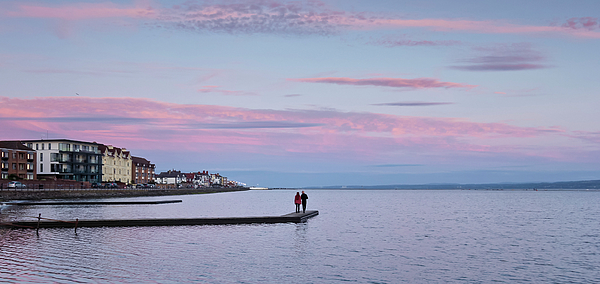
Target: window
<point>64,146</point>
<point>41,168</point>
<point>41,157</point>
<point>42,146</point>
<point>37,146</point>
<point>49,146</point>
<point>14,166</point>
<point>30,145</point>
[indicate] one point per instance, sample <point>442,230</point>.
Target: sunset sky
<point>306,93</point>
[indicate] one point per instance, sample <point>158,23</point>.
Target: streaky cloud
<point>405,42</point>
<point>161,126</point>
<point>397,165</point>
<point>81,11</point>
<point>418,83</point>
<point>253,125</point>
<point>513,57</point>
<point>75,119</point>
<point>216,89</point>
<point>281,17</point>
<point>414,104</point>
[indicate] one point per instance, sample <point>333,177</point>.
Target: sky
<point>314,93</point>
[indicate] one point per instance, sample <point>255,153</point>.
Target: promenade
<point>39,194</point>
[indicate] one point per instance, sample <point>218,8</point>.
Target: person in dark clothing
<point>297,201</point>
<point>304,197</point>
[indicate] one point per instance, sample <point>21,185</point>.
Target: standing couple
<point>300,199</point>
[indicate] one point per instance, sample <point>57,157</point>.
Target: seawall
<point>104,193</point>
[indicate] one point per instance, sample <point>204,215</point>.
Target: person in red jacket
<point>297,201</point>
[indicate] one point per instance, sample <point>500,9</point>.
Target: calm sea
<point>360,236</point>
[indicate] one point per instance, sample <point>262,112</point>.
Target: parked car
<point>16,184</point>
<point>111,185</point>
<point>96,185</point>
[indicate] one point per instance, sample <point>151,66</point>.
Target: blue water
<point>360,236</point>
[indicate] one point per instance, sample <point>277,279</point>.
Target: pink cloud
<point>81,11</point>
<point>314,17</point>
<point>163,126</point>
<point>287,17</point>
<point>419,83</point>
<point>587,23</point>
<point>488,27</point>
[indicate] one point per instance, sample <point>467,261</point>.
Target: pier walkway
<point>288,218</point>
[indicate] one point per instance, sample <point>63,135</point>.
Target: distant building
<point>18,160</point>
<point>142,170</point>
<point>217,179</point>
<point>202,179</point>
<point>199,179</point>
<point>171,177</point>
<point>116,164</point>
<point>67,159</point>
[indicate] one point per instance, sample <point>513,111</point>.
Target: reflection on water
<point>360,236</point>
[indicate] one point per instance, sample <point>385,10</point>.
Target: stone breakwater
<point>91,193</point>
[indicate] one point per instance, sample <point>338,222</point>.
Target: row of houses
<point>72,160</point>
<point>92,162</point>
<point>196,179</point>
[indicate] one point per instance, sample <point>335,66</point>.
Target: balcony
<point>62,160</point>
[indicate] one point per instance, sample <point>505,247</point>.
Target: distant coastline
<point>587,184</point>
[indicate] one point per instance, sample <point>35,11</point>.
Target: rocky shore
<point>104,193</point>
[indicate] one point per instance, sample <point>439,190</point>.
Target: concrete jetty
<point>288,218</point>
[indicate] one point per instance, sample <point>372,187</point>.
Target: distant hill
<point>587,184</point>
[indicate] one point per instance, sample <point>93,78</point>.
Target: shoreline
<point>95,193</point>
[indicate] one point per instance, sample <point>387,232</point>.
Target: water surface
<point>360,236</point>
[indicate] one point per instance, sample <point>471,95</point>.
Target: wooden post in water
<point>37,230</point>
<point>76,222</point>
